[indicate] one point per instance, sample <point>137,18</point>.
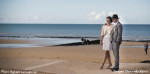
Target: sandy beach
<point>84,59</point>
<point>72,36</point>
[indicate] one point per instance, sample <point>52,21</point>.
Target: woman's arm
<point>102,35</point>
<point>101,41</point>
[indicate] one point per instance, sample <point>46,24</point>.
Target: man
<point>116,39</point>
<point>146,47</point>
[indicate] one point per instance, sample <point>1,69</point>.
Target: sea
<point>60,32</point>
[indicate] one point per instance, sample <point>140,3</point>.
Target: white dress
<point>106,40</point>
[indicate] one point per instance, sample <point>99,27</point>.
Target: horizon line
<point>62,23</point>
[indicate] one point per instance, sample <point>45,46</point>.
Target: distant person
<point>83,41</point>
<point>88,42</point>
<point>146,47</point>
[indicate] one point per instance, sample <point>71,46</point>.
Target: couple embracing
<point>111,38</point>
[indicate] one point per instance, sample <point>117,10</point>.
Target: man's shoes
<point>114,69</point>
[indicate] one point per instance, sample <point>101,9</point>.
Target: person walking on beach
<point>116,40</point>
<point>105,41</point>
<point>146,47</point>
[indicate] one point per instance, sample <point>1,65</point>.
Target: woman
<point>105,40</point>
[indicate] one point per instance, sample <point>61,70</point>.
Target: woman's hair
<point>108,17</point>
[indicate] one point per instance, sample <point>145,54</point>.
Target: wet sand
<point>7,41</point>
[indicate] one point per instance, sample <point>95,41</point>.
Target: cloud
<point>100,16</point>
<point>96,16</point>
<point>92,13</point>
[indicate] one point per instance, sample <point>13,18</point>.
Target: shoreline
<point>93,41</point>
<point>70,37</point>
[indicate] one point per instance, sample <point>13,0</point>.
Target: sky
<point>74,11</point>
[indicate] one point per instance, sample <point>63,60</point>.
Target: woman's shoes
<point>109,66</point>
<point>101,67</point>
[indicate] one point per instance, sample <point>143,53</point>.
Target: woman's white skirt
<point>106,43</point>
